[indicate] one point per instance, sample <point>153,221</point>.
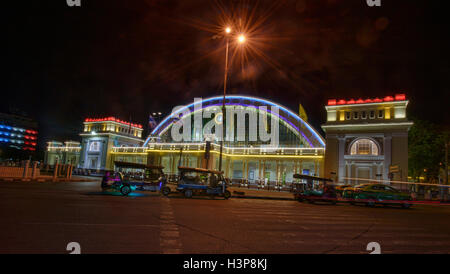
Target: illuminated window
<point>364,147</point>
<point>387,114</point>
<point>94,146</point>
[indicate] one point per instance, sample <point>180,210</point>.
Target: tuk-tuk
<point>129,177</point>
<point>314,189</point>
<point>199,181</point>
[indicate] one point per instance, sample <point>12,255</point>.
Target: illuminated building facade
<point>367,137</point>
<point>18,132</point>
<point>300,150</point>
<point>99,136</point>
<point>364,138</point>
<point>67,153</point>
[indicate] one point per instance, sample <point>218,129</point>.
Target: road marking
<point>169,237</point>
<point>86,224</point>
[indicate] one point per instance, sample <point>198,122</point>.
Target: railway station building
<point>352,146</point>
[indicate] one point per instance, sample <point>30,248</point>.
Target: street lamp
<point>240,39</point>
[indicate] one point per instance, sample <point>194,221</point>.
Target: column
<point>318,169</point>
<point>259,169</point>
<point>349,172</point>
<point>277,174</point>
<point>315,168</point>
<point>387,155</point>
<point>232,168</point>
<point>247,169</point>
<point>341,163</point>
<point>55,172</point>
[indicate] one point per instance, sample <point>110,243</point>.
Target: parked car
<point>372,194</point>
<point>340,188</point>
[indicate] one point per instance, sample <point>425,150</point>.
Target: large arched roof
<point>302,127</point>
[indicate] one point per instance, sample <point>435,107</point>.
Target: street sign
<point>394,169</point>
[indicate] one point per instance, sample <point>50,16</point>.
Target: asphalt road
<point>45,217</point>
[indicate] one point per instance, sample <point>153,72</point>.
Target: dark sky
<point>129,58</point>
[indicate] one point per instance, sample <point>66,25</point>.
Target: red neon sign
<point>397,97</point>
<point>113,120</point>
<point>332,102</point>
<point>400,97</point>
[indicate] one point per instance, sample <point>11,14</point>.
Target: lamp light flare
<point>241,39</point>
<point>228,30</point>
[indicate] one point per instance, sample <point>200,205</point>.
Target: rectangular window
<point>348,115</point>
<point>355,115</point>
<point>363,115</point>
<point>372,114</point>
<point>364,148</point>
<point>94,146</point>
<point>380,114</point>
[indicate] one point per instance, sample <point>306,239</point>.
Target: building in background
<point>18,135</point>
<point>301,148</point>
<point>101,135</point>
<point>67,153</point>
<point>367,139</point>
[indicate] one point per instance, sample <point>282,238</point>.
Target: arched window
<point>364,147</point>
<point>94,146</point>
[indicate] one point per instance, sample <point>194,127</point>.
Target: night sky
<point>130,58</point>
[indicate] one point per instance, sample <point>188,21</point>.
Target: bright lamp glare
<point>228,30</point>
<point>241,39</point>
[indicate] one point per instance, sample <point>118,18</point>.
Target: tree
<point>426,149</point>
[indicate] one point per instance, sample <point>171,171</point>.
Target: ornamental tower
<point>101,135</point>
<point>367,139</point>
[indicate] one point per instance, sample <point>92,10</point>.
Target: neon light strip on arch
<point>231,97</point>
<point>281,118</point>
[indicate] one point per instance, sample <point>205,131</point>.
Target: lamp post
<point>240,39</point>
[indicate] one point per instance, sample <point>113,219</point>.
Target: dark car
<point>340,189</point>
<point>372,194</point>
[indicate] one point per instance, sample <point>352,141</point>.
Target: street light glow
<point>241,39</point>
<point>228,30</point>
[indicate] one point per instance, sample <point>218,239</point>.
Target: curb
<point>42,181</point>
<point>263,198</point>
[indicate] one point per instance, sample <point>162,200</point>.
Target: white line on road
<point>86,224</point>
<point>169,238</point>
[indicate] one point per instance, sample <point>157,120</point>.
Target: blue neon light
<point>269,111</point>
<point>318,137</point>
